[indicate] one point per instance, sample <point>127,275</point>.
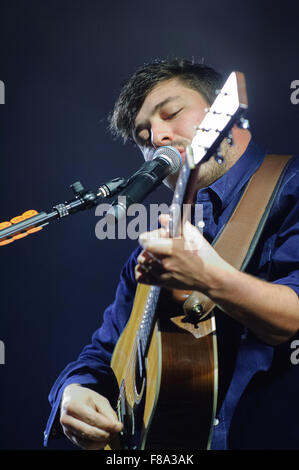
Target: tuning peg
<point>219,92</point>
<point>218,157</point>
<point>230,138</point>
<point>243,123</point>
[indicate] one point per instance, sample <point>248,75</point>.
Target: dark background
<point>63,63</point>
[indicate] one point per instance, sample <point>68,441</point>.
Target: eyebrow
<point>144,124</point>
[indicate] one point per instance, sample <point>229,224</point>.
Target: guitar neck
<point>179,212</point>
<point>182,200</point>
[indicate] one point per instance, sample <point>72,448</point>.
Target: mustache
<point>180,143</point>
<point>148,153</point>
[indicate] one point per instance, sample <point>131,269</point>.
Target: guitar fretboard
<point>149,315</point>
<point>177,202</point>
<point>146,325</point>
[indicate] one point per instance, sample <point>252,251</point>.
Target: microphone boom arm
<point>22,226</point>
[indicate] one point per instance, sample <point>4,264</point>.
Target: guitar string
<point>151,303</point>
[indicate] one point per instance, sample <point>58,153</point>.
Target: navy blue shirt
<point>258,384</point>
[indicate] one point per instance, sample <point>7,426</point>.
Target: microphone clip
<point>112,187</point>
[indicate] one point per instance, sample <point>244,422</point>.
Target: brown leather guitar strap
<point>250,215</point>
<point>237,240</point>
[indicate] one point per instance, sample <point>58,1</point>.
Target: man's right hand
<point>87,418</point>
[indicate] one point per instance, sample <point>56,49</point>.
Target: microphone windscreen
<point>172,155</point>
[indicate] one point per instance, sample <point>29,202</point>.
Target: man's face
<point>168,116</point>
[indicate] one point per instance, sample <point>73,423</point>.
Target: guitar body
<point>167,398</point>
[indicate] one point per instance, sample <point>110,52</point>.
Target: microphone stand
<point>84,199</point>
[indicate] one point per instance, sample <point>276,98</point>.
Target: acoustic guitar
<point>165,361</point>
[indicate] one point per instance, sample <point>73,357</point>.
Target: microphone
<point>166,160</point>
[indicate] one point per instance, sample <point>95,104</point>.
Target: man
<point>258,314</point>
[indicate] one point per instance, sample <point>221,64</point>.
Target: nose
<point>161,134</point>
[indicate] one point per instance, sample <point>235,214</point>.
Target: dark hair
<point>197,76</point>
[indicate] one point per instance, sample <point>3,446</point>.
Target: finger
<point>145,277</point>
<point>159,246</point>
<point>149,260</point>
<point>149,265</point>
<point>82,430</point>
<point>154,234</point>
<point>164,221</point>
<point>103,406</point>
<point>163,280</point>
<point>101,418</point>
<point>84,443</point>
<point>193,237</point>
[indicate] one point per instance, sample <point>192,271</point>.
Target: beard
<point>210,170</point>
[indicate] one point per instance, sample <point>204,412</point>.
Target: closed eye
<point>172,115</point>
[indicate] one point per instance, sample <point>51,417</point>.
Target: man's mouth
<point>182,152</point>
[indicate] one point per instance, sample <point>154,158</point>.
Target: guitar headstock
<point>226,110</point>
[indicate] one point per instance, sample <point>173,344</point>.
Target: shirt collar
<point>237,176</point>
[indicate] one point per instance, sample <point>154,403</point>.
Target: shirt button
<point>216,422</point>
